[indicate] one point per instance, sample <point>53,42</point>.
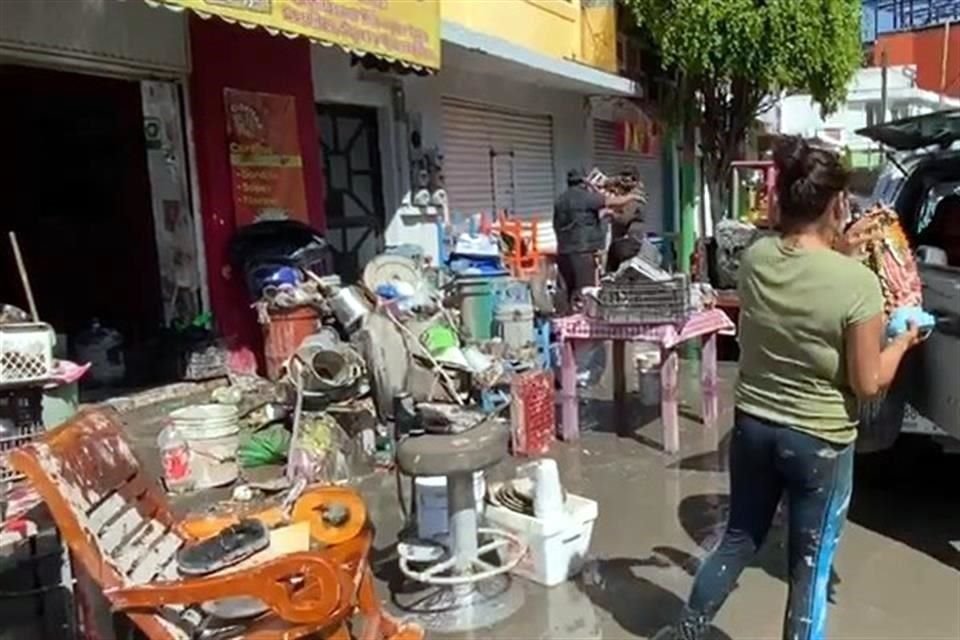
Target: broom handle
<point>23,277</point>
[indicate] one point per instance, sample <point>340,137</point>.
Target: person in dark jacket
<point>580,233</point>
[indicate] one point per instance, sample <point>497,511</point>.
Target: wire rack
<point>21,420</point>
<point>642,302</point>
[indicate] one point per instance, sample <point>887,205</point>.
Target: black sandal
<point>232,545</point>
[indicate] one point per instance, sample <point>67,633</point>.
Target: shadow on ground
<point>639,607</point>
<point>916,475</point>
<point>631,420</point>
<point>922,481</point>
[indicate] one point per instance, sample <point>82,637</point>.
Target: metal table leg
<point>568,392</point>
<point>708,381</point>
<point>670,400</point>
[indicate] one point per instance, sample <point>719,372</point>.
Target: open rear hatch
<point>940,128</point>
<point>933,386</point>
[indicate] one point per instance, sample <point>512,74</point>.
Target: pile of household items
<point>436,369</point>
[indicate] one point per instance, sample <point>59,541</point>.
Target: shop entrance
<point>77,191</point>
<point>350,141</point>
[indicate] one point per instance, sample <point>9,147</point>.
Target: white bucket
<point>211,432</point>
<point>515,322</point>
<point>432,517</point>
<point>648,380</point>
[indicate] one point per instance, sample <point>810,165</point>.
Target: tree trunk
<point>719,190</point>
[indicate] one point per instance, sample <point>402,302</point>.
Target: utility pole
<point>883,85</point>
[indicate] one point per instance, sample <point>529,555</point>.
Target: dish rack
<point>26,353</point>
<point>21,420</point>
<point>643,302</point>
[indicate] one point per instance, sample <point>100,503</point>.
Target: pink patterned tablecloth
<point>701,323</point>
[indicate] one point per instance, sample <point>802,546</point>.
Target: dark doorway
<point>350,141</point>
<point>77,192</point>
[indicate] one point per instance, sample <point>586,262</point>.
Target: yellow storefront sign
<point>404,30</point>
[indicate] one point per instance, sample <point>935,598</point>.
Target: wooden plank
<point>128,554</point>
<point>105,512</point>
<point>119,530</point>
<point>156,558</point>
<point>171,572</point>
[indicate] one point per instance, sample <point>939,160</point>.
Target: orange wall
<point>924,48</point>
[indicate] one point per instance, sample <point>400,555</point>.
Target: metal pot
<point>350,307</point>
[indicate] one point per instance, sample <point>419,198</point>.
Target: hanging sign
<point>404,30</point>
<point>265,161</point>
<point>642,137</point>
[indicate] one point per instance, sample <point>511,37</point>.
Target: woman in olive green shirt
<point>811,336</point>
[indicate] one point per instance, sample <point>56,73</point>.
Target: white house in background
<point>800,115</point>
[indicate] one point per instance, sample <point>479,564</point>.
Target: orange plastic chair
<point>522,256</point>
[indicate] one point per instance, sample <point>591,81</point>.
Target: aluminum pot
<point>350,307</point>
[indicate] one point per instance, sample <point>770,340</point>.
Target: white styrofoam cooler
<point>558,546</point>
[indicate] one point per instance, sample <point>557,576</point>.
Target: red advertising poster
<point>264,157</point>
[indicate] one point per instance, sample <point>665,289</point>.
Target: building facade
<point>512,94</point>
<point>863,107</point>
<point>527,90</point>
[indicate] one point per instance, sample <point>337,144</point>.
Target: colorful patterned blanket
<point>891,258</point>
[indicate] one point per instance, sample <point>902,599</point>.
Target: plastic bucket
<point>212,434</point>
<point>283,334</point>
<point>432,514</point>
<point>477,302</point>
<point>515,324</point>
<point>648,377</point>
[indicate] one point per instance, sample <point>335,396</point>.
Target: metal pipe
<point>883,86</point>
<point>462,508</point>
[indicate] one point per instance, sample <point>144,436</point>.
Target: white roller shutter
<point>495,158</point>
<point>609,158</point>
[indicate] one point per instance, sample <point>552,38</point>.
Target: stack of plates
<point>516,495</point>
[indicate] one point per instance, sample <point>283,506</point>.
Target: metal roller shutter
<point>609,158</point>
<point>121,35</point>
<point>495,158</point>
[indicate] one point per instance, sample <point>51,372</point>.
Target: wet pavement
<point>897,573</point>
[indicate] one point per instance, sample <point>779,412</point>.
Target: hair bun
<point>790,155</point>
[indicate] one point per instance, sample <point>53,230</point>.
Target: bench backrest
<point>113,516</point>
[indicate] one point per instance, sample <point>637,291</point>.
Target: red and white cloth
<point>701,323</point>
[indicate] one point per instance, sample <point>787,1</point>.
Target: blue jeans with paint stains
<point>768,460</point>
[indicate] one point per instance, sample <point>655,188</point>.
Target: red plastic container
<point>533,413</point>
<point>282,337</point>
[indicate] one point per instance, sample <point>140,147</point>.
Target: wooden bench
<point>121,531</point>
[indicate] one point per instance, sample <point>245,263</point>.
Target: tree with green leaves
<point>731,60</point>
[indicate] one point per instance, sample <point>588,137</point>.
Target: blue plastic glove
<point>901,319</point>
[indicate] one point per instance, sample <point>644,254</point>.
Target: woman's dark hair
<point>808,177</point>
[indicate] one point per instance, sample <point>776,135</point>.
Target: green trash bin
<point>477,302</point>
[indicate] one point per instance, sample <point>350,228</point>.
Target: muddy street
<point>897,573</point>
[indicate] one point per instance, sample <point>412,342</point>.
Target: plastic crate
<point>26,353</point>
<point>666,302</point>
<point>21,411</point>
<point>532,413</point>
